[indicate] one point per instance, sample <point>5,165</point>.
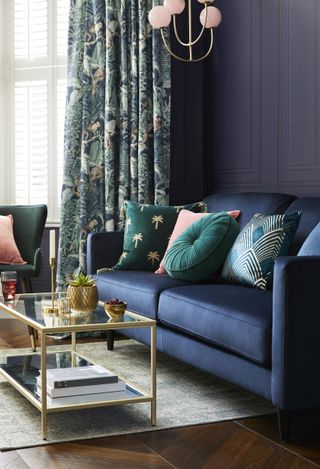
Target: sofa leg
<point>32,338</point>
<point>284,420</point>
<point>110,340</point>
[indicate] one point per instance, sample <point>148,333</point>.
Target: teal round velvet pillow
<point>202,248</point>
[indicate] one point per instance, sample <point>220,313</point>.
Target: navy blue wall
<point>250,113</point>
<point>187,113</point>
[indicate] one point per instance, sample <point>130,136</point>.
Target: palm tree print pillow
<point>147,231</point>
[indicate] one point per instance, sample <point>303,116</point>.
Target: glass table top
<point>31,308</point>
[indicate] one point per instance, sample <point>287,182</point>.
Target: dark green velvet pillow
<point>147,230</point>
<point>202,248</point>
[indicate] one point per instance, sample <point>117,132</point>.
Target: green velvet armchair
<point>28,226</point>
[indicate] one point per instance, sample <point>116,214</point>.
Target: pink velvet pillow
<point>9,253</point>
<point>185,219</point>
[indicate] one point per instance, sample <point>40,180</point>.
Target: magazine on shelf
<point>120,385</point>
<point>79,376</point>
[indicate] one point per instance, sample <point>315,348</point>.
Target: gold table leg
<point>73,341</point>
<point>74,348</point>
<point>44,430</point>
<point>154,375</point>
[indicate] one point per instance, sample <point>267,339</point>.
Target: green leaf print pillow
<point>146,234</point>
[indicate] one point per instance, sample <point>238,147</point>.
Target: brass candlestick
<point>52,309</point>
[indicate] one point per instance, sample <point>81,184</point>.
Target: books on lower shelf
<point>80,381</point>
<point>80,390</point>
<point>79,376</point>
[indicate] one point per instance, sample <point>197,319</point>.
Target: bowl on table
<point>115,309</point>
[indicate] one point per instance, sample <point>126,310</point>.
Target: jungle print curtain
<point>117,127</point>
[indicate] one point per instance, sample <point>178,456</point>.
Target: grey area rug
<point>186,396</point>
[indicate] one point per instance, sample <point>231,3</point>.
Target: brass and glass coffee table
<point>22,370</point>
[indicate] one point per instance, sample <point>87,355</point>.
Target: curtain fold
<point>117,126</point>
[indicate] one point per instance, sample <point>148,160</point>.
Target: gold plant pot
<point>83,299</point>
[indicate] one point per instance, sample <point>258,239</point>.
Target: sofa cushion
<point>202,248</point>
<point>9,252</point>
<point>311,246</point>
<point>146,234</point>
<point>141,290</point>
<point>249,203</point>
<point>310,217</point>
<point>184,220</point>
<point>233,317</point>
<point>252,257</point>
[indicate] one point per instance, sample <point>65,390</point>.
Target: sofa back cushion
<point>249,203</point>
<point>311,245</point>
<point>310,217</point>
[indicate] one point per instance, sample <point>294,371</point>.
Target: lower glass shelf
<point>24,370</point>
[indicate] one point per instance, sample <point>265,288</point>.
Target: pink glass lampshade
<point>214,17</point>
<point>159,17</point>
<point>205,1</point>
<point>174,7</point>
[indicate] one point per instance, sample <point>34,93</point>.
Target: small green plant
<point>82,280</point>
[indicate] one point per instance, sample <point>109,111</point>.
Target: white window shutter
<point>40,36</point>
<point>31,142</point>
<point>30,29</point>
<point>62,28</point>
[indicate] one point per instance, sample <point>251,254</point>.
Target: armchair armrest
<point>37,263</point>
<point>31,269</point>
<point>103,250</point>
<point>295,380</point>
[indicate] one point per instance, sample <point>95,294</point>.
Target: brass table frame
<point>43,331</point>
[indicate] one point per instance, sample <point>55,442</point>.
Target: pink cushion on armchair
<point>184,220</point>
<point>9,253</point>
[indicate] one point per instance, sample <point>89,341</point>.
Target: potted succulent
<point>83,294</point>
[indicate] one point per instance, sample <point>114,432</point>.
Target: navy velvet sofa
<point>265,341</point>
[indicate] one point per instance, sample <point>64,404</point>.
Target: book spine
<point>68,383</point>
<point>80,390</point>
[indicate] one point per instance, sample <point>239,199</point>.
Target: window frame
<point>6,164</point>
<point>12,70</point>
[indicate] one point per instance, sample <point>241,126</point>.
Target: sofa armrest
<point>103,250</point>
<point>295,380</point>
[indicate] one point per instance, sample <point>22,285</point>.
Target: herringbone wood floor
<point>245,443</point>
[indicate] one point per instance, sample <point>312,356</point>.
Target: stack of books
<point>69,385</point>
